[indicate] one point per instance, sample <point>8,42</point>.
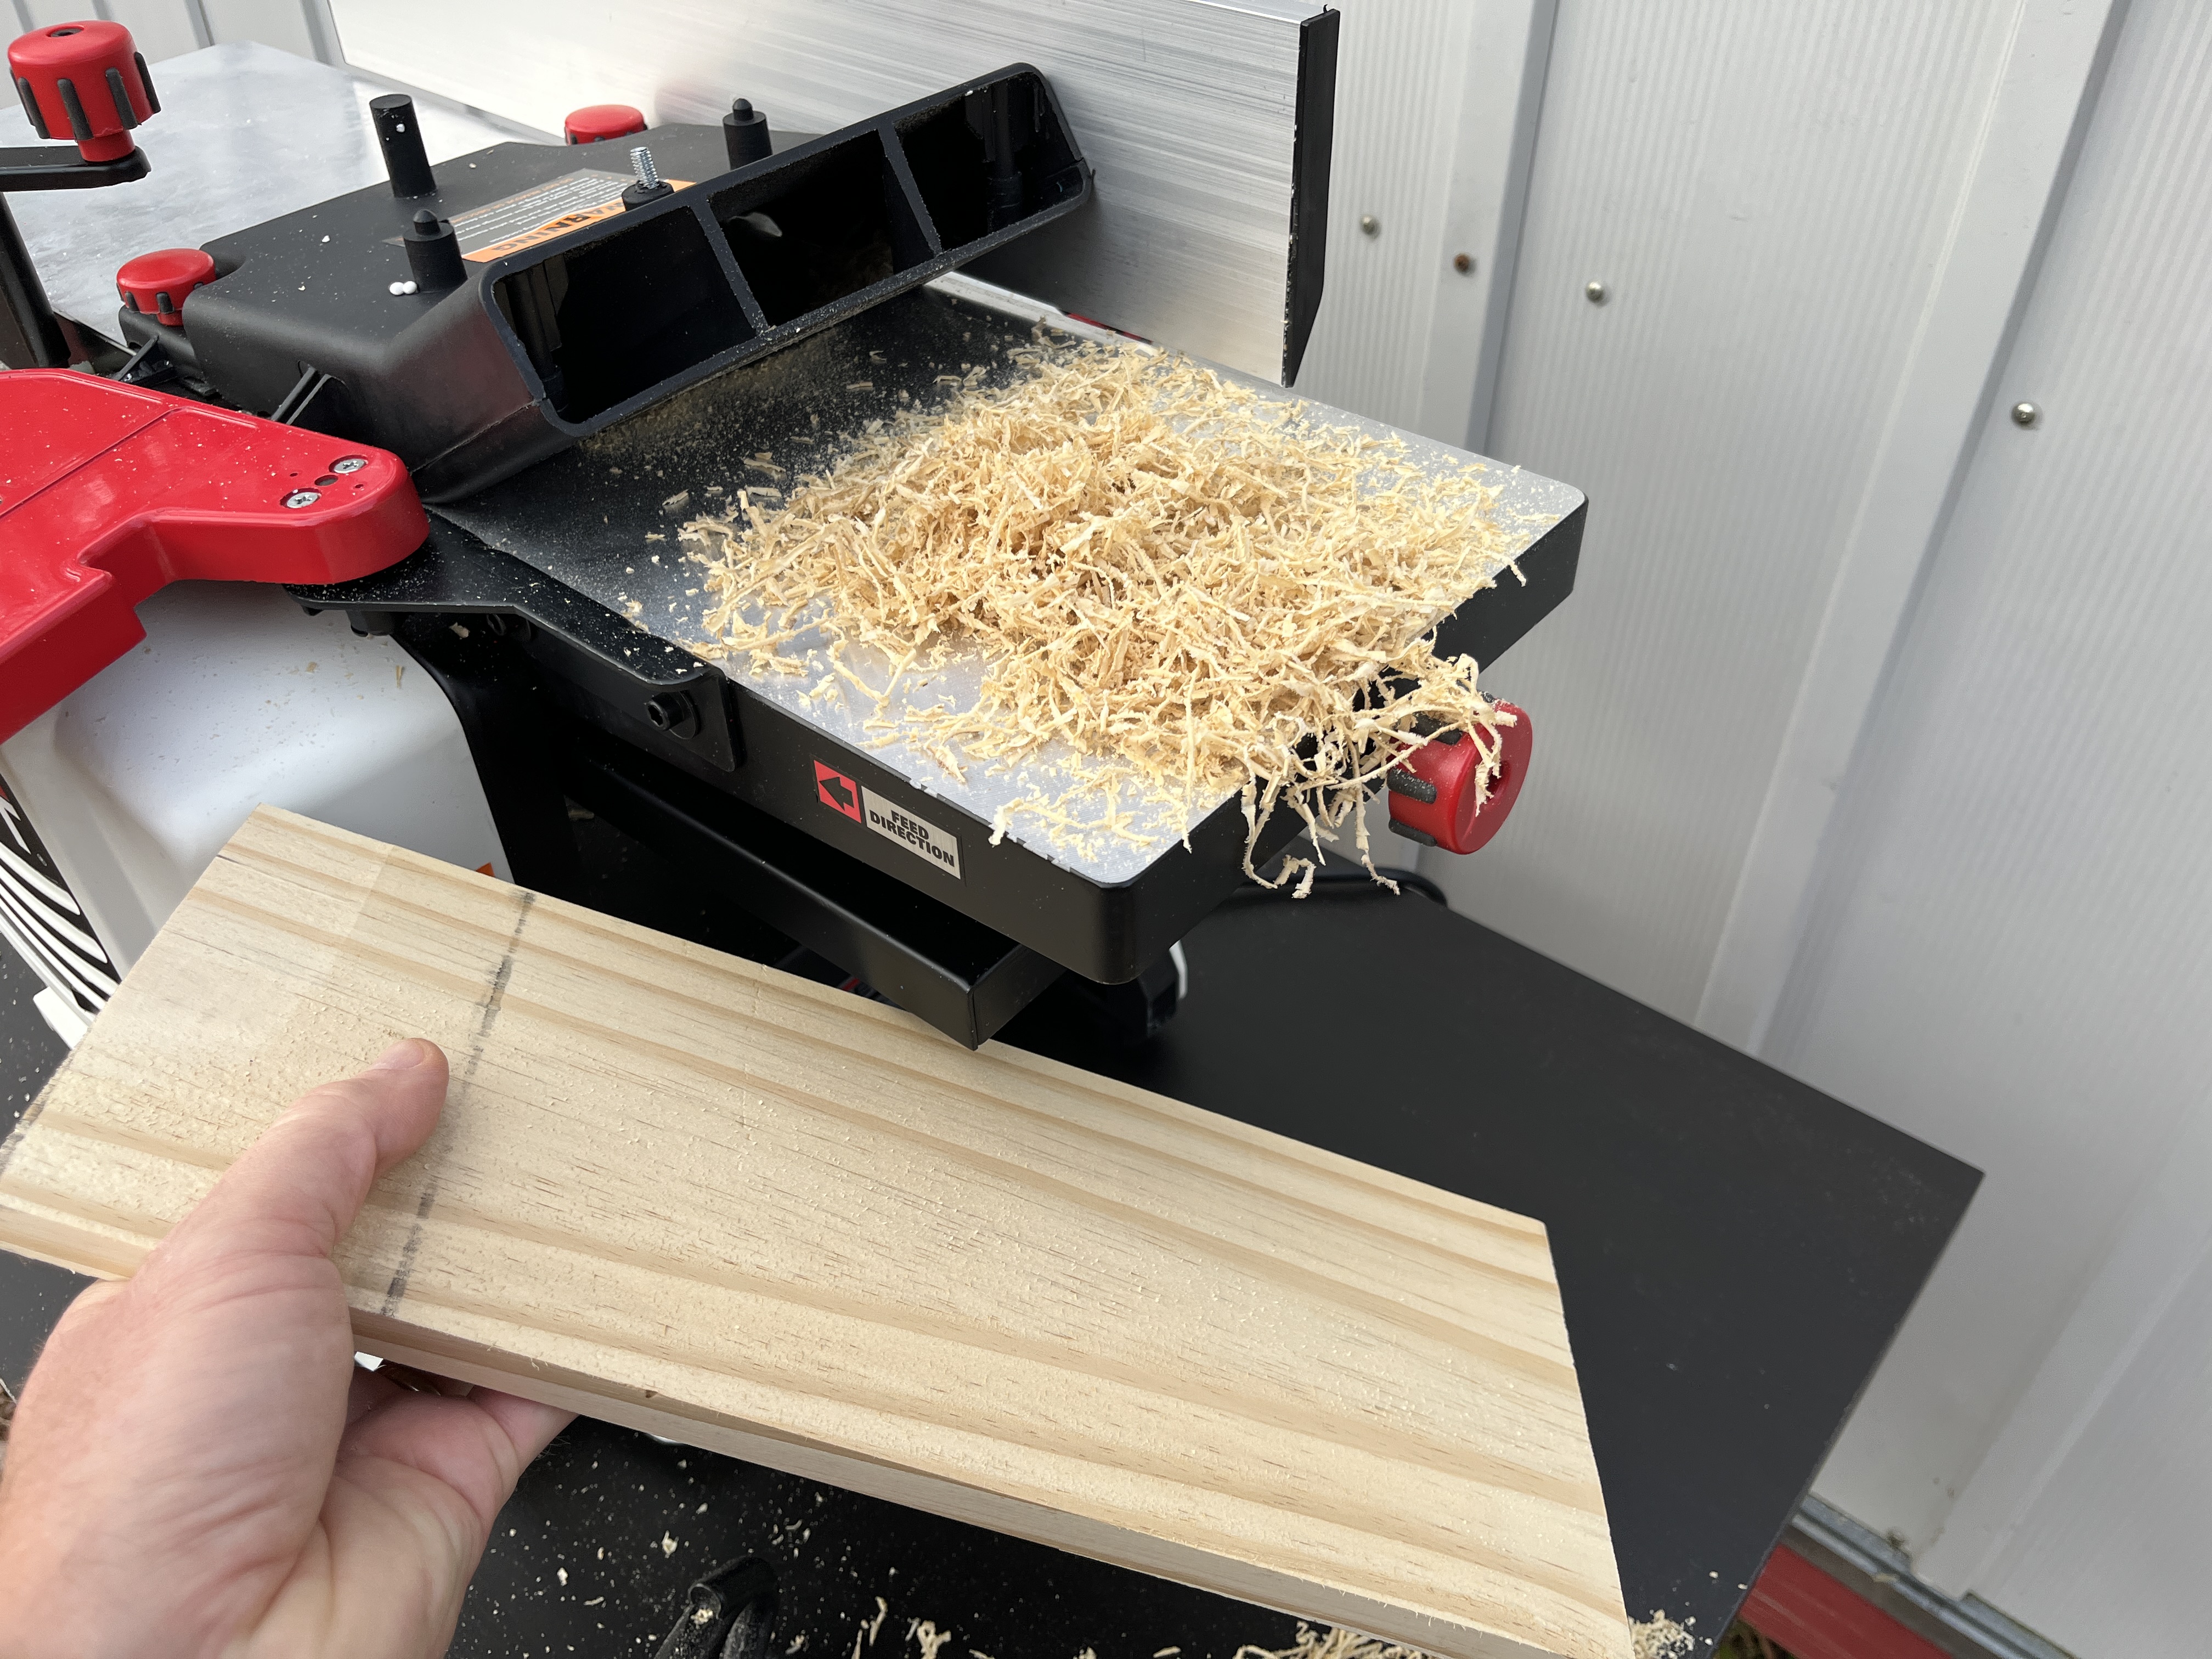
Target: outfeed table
<point>1735,1249</point>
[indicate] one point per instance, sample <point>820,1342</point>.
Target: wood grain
<point>688,1194</point>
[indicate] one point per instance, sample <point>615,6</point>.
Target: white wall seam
<point>1492,138</point>
<point>2010,950</point>
<point>1752,185</point>
<point>2054,66</point>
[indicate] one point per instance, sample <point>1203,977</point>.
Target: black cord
<point>1350,880</point>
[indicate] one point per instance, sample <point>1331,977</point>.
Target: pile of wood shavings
<point>1334,1643</point>
<point>1660,1637</point>
<point>1207,592</point>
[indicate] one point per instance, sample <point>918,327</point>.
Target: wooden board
<point>694,1195</point>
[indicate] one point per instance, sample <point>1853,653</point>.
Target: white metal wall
<point>1764,192</point>
<point>2011,951</point>
<point>1401,66</point>
<point>169,28</point>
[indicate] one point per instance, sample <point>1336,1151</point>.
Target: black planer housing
<point>560,342</point>
<point>435,319</point>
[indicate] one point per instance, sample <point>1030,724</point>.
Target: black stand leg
<point>30,335</point>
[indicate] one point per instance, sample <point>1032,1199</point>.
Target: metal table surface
<point>1735,1249</point>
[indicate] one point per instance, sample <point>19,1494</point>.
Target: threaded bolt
<point>640,161</point>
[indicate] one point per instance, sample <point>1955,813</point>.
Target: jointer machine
<point>447,426</point>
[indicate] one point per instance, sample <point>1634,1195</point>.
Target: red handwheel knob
<point>156,283</point>
<point>83,81</point>
<point>1436,794</point>
<point>595,123</point>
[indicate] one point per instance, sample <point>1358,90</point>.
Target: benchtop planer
<point>571,352</point>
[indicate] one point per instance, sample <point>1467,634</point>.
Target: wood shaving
<point>1209,592</point>
<point>1334,1643</point>
<point>1660,1637</point>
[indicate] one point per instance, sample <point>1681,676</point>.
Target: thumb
<point>296,1190</point>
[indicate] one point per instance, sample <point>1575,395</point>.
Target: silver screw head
<point>303,498</point>
<point>2026,414</point>
<point>349,464</point>
<point>1370,225</point>
<point>1597,292</point>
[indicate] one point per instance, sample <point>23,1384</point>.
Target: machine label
<point>541,213</point>
<point>918,835</point>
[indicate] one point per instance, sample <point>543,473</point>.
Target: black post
<point>433,254</point>
<point>401,136</point>
<point>30,335</point>
<point>744,134</point>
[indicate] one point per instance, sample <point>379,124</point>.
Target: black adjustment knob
<point>745,131</point>
<point>434,252</point>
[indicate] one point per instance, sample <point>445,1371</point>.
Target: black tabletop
<point>1735,1251</point>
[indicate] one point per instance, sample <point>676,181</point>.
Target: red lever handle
<point>110,492</point>
<point>1436,793</point>
<point>83,81</point>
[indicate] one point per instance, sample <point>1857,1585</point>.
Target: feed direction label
<point>918,835</point>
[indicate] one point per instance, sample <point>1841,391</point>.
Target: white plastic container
<point>237,697</point>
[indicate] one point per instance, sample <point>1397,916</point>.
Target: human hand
<point>197,1467</point>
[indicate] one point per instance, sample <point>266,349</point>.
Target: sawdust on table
<point>1207,592</point>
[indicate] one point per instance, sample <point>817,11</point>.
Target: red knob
<point>596,123</point>
<point>157,283</point>
<point>1436,793</point>
<point>83,81</point>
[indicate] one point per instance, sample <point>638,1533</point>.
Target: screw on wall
<point>1463,264</point>
<point>1370,225</point>
<point>2026,414</point>
<point>1597,292</point>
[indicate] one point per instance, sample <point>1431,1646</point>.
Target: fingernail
<point>402,1056</point>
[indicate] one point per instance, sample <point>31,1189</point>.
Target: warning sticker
<point>834,789</point>
<point>541,213</point>
<point>918,835</point>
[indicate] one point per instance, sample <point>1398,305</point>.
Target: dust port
<point>613,319</point>
<point>992,156</point>
<point>821,228</point>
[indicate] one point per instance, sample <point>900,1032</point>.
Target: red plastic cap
<point>83,81</point>
<point>1437,791</point>
<point>156,283</point>
<point>596,123</point>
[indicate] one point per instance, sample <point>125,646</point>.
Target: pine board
<point>686,1192</point>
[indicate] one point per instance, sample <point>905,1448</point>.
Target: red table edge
<point>1814,1615</point>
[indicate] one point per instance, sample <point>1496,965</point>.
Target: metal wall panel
<point>1186,109</point>
<point>279,23</point>
<point>1766,193</point>
<point>162,28</point>
<point>1401,65</point>
<point>2011,953</point>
